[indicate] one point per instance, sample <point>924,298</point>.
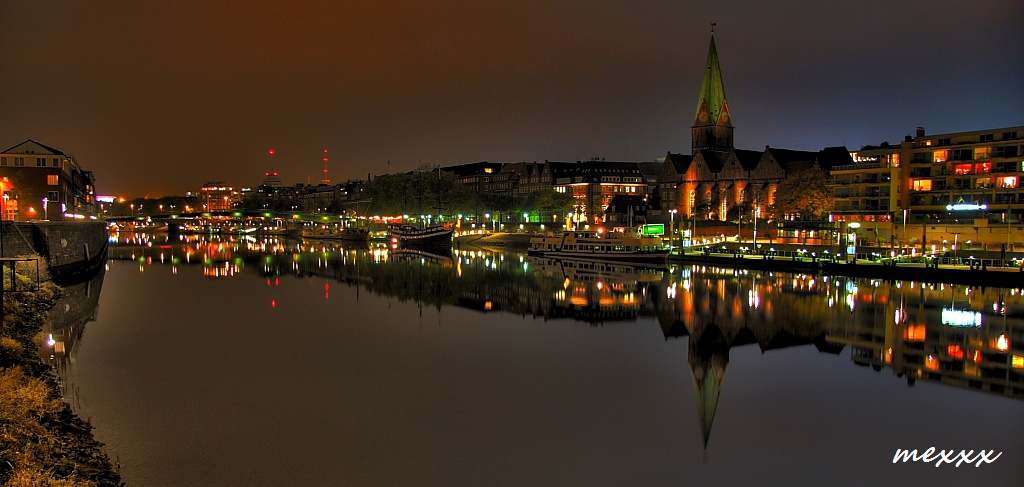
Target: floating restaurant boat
<point>352,234</point>
<point>411,236</point>
<point>444,258</point>
<point>591,245</point>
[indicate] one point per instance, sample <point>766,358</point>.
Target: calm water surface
<point>251,363</point>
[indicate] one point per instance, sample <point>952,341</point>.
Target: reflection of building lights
<point>578,301</point>
<point>958,318</point>
<point>1002,342</point>
<point>955,351</point>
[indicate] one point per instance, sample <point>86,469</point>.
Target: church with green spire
<point>717,181</point>
<point>712,125</point>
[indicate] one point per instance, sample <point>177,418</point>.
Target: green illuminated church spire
<point>712,126</point>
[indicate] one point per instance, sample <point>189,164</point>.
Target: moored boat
<point>591,245</point>
<point>411,236</point>
<point>353,234</point>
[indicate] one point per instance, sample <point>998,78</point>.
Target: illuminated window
<point>488,170</point>
<point>983,167</point>
<point>941,155</point>
<point>52,179</point>
<point>982,152</point>
<point>914,333</point>
<point>962,169</point>
<point>1007,182</point>
<point>922,185</point>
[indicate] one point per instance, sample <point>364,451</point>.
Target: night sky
<point>160,97</point>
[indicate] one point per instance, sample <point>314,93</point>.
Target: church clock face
<point>703,117</point>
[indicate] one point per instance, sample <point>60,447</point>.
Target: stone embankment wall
<point>69,247</point>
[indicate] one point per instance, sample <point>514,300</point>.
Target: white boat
<point>591,245</point>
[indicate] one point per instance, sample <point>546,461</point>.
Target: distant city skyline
<point>157,99</point>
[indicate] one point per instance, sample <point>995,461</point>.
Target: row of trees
<point>804,195</point>
<point>438,192</point>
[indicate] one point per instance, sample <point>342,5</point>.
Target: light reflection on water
<point>275,362</point>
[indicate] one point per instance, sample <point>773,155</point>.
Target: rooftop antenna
<point>325,180</point>
<point>271,172</point>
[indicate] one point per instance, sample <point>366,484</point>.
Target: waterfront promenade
<point>978,268</point>
<point>811,259</point>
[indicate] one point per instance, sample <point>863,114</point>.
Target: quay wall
<point>69,247</point>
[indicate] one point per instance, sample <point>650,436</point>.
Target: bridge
<point>229,215</point>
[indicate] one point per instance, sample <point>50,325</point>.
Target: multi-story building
<point>217,196</point>
<point>952,176</point>
<point>593,184</point>
<point>39,182</point>
<point>481,177</point>
<point>964,183</point>
<point>868,189</point>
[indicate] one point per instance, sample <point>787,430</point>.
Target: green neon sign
<point>653,229</point>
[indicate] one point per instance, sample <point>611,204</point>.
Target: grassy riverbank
<point>42,441</point>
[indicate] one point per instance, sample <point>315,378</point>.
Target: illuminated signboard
<point>959,318</point>
<point>966,207</point>
<point>653,229</point>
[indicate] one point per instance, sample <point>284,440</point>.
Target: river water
<point>246,362</point>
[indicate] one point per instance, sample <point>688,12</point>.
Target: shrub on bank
<point>42,442</point>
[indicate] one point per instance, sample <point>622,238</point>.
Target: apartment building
<point>39,182</point>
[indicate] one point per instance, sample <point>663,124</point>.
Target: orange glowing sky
<point>160,97</point>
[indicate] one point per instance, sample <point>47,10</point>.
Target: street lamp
<point>956,236</point>
<point>672,227</point>
<point>757,214</point>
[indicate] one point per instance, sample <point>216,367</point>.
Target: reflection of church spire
<point>709,355</point>
<point>712,126</point>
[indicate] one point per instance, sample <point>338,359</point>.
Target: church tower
<point>712,127</point>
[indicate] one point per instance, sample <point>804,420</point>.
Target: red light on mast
<point>271,151</point>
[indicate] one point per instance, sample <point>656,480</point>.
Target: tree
<point>549,202</point>
<point>804,195</point>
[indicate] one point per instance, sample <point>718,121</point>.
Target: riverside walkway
<point>933,269</point>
